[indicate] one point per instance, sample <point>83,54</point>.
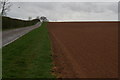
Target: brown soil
<point>85,50</point>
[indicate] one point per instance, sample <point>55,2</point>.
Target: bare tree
<point>5,7</point>
<point>37,17</point>
<point>29,18</point>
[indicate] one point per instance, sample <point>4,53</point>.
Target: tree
<point>5,7</point>
<point>29,18</point>
<point>44,19</point>
<point>37,17</point>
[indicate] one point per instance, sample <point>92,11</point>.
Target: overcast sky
<point>66,11</point>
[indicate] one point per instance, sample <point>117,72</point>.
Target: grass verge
<point>29,56</point>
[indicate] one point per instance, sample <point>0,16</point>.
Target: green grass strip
<point>29,56</point>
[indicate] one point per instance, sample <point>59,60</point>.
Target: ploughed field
<point>84,49</point>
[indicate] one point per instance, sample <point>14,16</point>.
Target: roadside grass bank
<point>29,56</point>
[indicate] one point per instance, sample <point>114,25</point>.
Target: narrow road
<point>9,36</point>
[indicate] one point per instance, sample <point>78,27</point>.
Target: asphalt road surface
<point>9,36</point>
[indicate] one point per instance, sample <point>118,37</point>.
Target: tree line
<point>10,23</point>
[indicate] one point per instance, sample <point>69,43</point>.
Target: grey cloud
<point>97,7</point>
<point>66,10</point>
